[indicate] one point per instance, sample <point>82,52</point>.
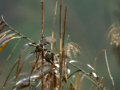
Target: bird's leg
<point>36,54</point>
<point>50,61</point>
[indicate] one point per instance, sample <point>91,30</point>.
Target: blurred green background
<point>87,24</point>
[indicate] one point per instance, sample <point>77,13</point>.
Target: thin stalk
<point>42,80</point>
<point>81,81</point>
<point>54,23</point>
<point>97,56</point>
<point>109,70</point>
<point>51,76</point>
<point>9,56</point>
<point>52,79</point>
<point>87,75</point>
<point>37,58</point>
<point>17,31</point>
<point>49,83</point>
<point>73,73</point>
<point>42,72</point>
<point>60,47</point>
<point>63,46</point>
<point>9,74</point>
<point>42,20</point>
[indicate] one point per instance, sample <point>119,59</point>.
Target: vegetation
<point>50,70</point>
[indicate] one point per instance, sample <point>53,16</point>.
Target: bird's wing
<point>47,40</point>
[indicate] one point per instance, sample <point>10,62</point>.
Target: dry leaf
<point>3,45</point>
<point>77,79</point>
<point>4,33</point>
<point>7,37</point>
<point>71,87</point>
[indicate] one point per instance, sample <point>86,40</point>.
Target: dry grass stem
<point>51,68</point>
<point>97,56</point>
<point>60,47</point>
<point>109,70</point>
<point>42,47</point>
<point>54,23</point>
<point>9,56</point>
<point>76,82</point>
<point>81,81</point>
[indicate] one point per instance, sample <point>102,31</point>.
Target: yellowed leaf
<point>77,79</point>
<point>3,45</point>
<point>6,42</point>
<point>71,87</point>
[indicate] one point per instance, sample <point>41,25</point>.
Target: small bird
<point>42,42</point>
<point>38,48</point>
<point>49,56</point>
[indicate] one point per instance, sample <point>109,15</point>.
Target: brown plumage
<point>47,40</point>
<point>49,56</point>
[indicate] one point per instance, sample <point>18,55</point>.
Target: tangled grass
<point>50,70</point>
